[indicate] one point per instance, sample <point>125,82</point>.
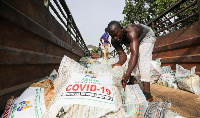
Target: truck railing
<point>171,20</point>
<point>175,17</point>
<point>114,52</point>
<point>61,12</point>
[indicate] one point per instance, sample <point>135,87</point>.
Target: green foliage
<point>140,11</point>
<point>187,12</point>
<point>94,50</point>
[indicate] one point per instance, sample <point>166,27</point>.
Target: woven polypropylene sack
<point>171,114</point>
<point>74,109</point>
<point>67,66</point>
<point>190,83</point>
<point>135,101</point>
<point>187,79</point>
<point>168,80</point>
<point>155,67</point>
<point>156,109</point>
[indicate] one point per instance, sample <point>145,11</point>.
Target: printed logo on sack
<point>90,79</point>
<point>92,76</point>
<point>24,105</point>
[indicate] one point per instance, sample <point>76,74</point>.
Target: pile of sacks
<point>89,92</point>
<point>181,79</point>
<point>80,91</point>
<point>33,101</point>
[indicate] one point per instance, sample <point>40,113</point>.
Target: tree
<point>94,50</point>
<point>140,11</point>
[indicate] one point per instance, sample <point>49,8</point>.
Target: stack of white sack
<point>167,77</point>
<point>155,69</point>
<point>85,92</point>
<point>187,79</point>
<point>135,103</point>
<point>30,104</point>
<point>82,92</point>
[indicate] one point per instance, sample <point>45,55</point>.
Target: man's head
<point>106,30</point>
<point>115,30</point>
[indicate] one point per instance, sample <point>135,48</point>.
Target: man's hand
<point>125,78</point>
<point>113,65</point>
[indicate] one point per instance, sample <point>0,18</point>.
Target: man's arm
<point>120,52</point>
<point>134,49</point>
<point>101,40</point>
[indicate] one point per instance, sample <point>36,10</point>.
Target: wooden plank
<point>12,75</point>
<point>16,88</point>
<point>44,18</point>
<point>18,56</point>
<point>182,59</point>
<point>20,19</point>
<point>182,44</point>
<point>12,36</point>
<point>181,37</point>
<point>178,52</point>
<point>33,23</point>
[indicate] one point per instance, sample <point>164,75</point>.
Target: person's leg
<point>106,51</point>
<point>144,61</point>
<point>146,91</point>
<point>99,54</point>
<point>146,86</point>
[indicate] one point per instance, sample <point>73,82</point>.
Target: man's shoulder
<point>133,28</point>
<point>129,27</point>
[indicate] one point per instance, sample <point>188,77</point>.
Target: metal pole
<point>198,5</point>
<point>69,24</point>
<point>152,26</point>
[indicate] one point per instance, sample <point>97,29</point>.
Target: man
<point>105,43</point>
<point>140,39</point>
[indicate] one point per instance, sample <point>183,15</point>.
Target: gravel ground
<point>184,103</point>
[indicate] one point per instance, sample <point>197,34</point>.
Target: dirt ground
<point>184,103</point>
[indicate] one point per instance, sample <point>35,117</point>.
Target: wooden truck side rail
<point>32,44</point>
<point>176,42</point>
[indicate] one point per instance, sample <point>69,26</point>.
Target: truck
<point>33,42</point>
